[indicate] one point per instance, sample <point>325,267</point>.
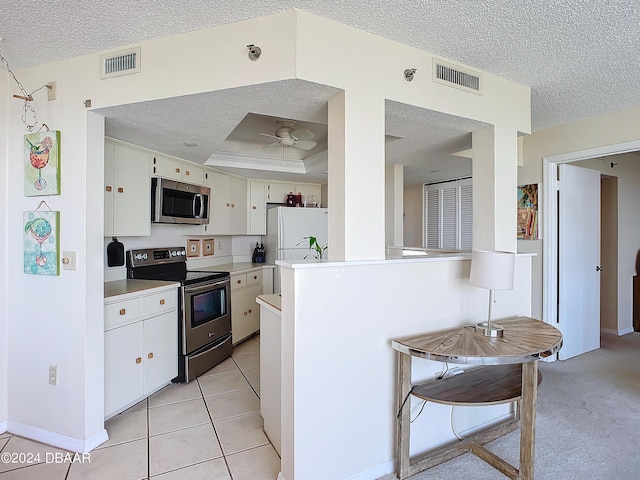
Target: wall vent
<point>454,76</point>
<point>120,63</point>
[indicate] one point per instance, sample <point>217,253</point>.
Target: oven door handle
<point>195,289</point>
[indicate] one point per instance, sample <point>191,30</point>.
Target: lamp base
<point>489,329</point>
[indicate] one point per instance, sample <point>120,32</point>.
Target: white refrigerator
<point>286,227</point>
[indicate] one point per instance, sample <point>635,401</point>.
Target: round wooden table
<point>511,374</point>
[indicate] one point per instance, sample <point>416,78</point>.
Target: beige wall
<point>608,130</point>
<point>413,216</point>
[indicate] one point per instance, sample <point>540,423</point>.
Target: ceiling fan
<point>287,135</point>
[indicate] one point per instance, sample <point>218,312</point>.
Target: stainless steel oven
<point>204,313</point>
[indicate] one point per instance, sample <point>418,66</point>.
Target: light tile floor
<point>207,429</point>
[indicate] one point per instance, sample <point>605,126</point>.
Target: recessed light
<point>190,144</point>
<point>434,171</point>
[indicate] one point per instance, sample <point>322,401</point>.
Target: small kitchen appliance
<point>258,254</point>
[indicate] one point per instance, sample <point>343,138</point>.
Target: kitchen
<point>362,204</point>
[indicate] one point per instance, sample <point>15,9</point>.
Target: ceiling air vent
<point>454,76</point>
<point>120,63</point>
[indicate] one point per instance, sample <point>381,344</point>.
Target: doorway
<point>551,234</point>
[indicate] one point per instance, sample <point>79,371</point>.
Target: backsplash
<point>227,249</point>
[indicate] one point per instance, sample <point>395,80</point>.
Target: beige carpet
<point>588,421</point>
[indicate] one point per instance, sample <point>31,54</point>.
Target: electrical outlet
<point>52,91</point>
<point>53,375</point>
<point>68,260</point>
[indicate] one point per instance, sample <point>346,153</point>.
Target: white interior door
<point>578,260</point>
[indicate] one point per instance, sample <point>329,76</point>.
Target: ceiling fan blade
<point>275,144</point>
<point>302,134</point>
<point>305,144</point>
<point>268,135</point>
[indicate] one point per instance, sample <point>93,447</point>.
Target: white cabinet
<point>127,203</point>
<point>176,169</point>
<point>257,215</point>
<point>245,314</point>
<point>228,204</point>
<point>140,347</point>
<point>277,191</point>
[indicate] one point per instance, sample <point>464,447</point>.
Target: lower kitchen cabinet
<point>245,312</point>
<point>141,351</point>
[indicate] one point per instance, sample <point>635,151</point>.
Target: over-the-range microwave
<point>178,202</point>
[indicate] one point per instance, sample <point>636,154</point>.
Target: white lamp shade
<point>492,270</point>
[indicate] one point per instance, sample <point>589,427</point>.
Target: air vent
<point>120,63</point>
<point>454,76</point>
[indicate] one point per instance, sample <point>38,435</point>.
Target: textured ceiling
<point>579,58</point>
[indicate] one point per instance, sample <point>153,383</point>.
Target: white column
<point>356,176</point>
<point>495,179</point>
<point>394,202</point>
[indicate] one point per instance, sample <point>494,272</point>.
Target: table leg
<point>528,418</point>
<point>403,418</point>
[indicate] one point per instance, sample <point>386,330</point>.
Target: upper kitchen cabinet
<point>276,192</point>
<point>257,215</point>
<point>127,202</point>
<point>176,169</point>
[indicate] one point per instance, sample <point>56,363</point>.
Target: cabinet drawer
<point>119,313</point>
<point>238,281</point>
<point>159,302</point>
<point>254,277</point>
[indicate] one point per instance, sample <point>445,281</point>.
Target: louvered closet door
<point>433,218</point>
<point>449,214</point>
<point>466,216</point>
<point>449,217</point>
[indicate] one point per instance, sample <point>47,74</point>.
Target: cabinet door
<point>245,314</point>
<point>108,188</point>
<point>277,191</point>
<point>132,200</point>
<point>193,173</point>
<point>166,167</point>
<point>257,221</point>
<point>238,198</point>
<point>160,350</point>
<point>219,203</point>
<point>309,190</point>
<point>123,367</point>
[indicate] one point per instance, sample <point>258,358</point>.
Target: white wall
<point>4,299</point>
<point>67,329</point>
<point>612,129</point>
<point>339,370</point>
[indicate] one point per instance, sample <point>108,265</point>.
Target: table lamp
<point>494,271</point>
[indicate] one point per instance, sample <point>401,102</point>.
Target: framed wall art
<point>42,163</point>
<point>41,242</point>
<point>528,212</point>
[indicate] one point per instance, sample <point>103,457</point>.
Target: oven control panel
<point>156,256</point>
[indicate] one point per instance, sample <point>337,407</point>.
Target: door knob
<point>599,268</point>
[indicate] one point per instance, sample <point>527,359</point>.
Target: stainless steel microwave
<point>178,202</point>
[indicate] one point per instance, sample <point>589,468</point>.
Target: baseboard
<point>3,427</point>
<point>617,333</point>
<point>280,476</point>
<point>55,439</point>
<point>375,472</point>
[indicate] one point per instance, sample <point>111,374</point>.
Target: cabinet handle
<point>150,355</point>
<point>162,301</point>
<point>228,204</point>
<point>138,360</point>
<point>120,190</point>
<point>249,311</point>
<point>123,311</point>
<point>239,282</point>
<point>108,188</point>
<point>255,277</point>
<point>233,205</point>
<point>177,170</point>
<point>245,313</point>
<point>187,172</point>
<point>253,207</point>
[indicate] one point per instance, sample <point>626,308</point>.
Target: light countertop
<point>272,301</point>
<point>236,267</point>
<point>123,287</point>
